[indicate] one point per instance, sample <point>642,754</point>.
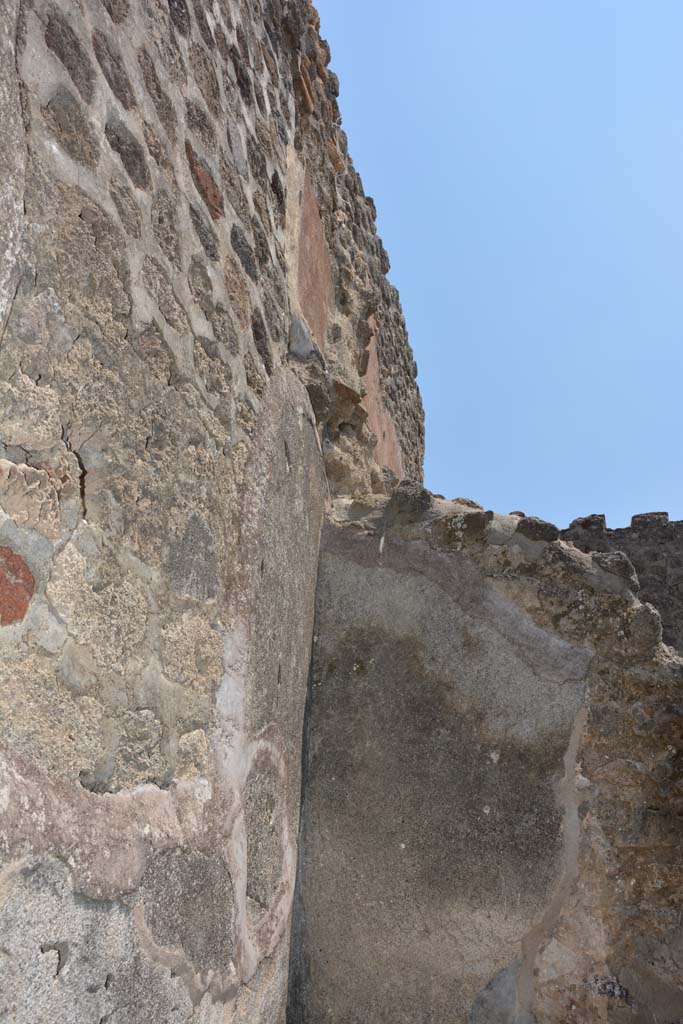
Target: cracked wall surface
<point>190,284</point>
<point>491,822</point>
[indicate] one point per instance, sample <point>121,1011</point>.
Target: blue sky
<point>526,158</point>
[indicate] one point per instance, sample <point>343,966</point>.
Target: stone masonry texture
<point>176,205</point>
<point>283,737</point>
<point>654,546</point>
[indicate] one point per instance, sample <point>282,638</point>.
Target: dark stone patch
<point>242,75</point>
<point>164,226</point>
<point>200,285</point>
<point>537,529</point>
<point>278,191</point>
<point>126,206</point>
<point>262,219</point>
<point>63,41</point>
<point>257,160</point>
<point>255,380</point>
<point>204,183</point>
<point>280,125</point>
<point>180,16</point>
<point>243,46</point>
<point>222,43</point>
<point>244,251</point>
<point>116,9</point>
<point>646,520</point>
<point>188,901</point>
<point>606,986</point>
<point>132,155</point>
<point>275,21</point>
<point>258,330</point>
<point>202,23</point>
<point>237,288</point>
<point>426,833</point>
<point>172,59</point>
<point>192,561</point>
<point>162,103</point>
<point>205,233</point>
<point>654,545</point>
<point>113,68</point>
<point>260,100</point>
<point>199,122</point>
<point>212,350</point>
<point>16,587</point>
<point>224,329</point>
<point>205,77</point>
<point>233,189</point>
<point>261,244</point>
<point>71,128</point>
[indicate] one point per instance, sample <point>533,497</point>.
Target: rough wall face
<point>169,276</point>
<point>491,816</point>
<point>198,345</point>
<point>654,545</point>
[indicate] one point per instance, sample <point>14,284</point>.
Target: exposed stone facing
<point>492,782</point>
<point>162,484</point>
<point>654,546</point>
<point>198,345</point>
<point>365,305</point>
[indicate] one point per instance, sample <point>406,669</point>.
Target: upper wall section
<point>365,340</point>
<point>654,545</point>
<point>208,135</point>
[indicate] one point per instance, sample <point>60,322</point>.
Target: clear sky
<point>526,158</point>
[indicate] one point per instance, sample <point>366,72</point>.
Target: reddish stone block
<point>388,451</point>
<point>16,587</point>
<point>204,183</point>
<point>314,276</point>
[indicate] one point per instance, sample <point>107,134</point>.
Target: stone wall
<point>492,781</point>
<point>191,289</point>
<point>199,349</point>
<point>654,546</point>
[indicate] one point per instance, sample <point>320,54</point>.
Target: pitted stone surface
<point>652,546</point>
<point>198,347</point>
<point>491,779</point>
